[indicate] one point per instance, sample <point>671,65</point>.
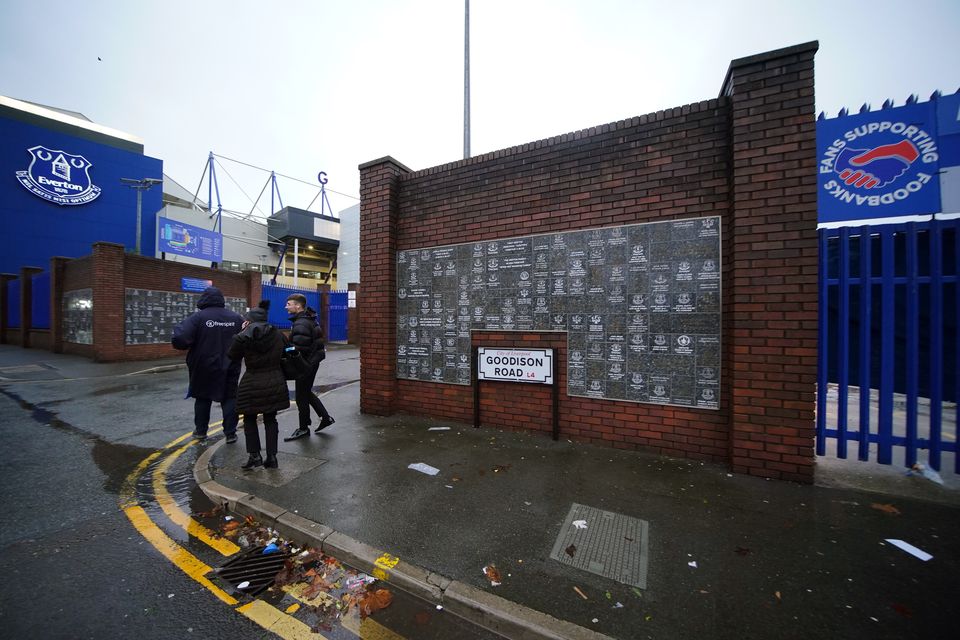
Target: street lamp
<point>141,185</point>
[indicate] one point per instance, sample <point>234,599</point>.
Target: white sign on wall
<point>515,365</point>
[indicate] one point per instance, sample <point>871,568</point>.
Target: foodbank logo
<point>878,163</point>
<point>58,176</point>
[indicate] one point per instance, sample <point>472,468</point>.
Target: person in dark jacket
<point>263,389</point>
<point>206,335</point>
<point>307,336</point>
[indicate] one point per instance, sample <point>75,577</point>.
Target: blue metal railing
<point>889,310</point>
<point>277,295</point>
<point>338,316</point>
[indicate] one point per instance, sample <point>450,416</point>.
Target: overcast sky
<point>304,86</point>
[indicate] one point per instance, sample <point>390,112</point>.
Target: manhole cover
<point>608,544</point>
<point>253,568</point>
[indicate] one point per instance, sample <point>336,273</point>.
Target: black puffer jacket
<point>307,336</point>
<point>263,389</point>
<point>207,335</point>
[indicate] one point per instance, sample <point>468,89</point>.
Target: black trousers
<point>252,435</point>
<point>201,415</point>
<point>306,398</point>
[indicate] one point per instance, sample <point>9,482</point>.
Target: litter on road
<point>580,524</point>
<point>909,548</point>
<point>439,429</point>
<point>422,467</point>
<point>493,575</point>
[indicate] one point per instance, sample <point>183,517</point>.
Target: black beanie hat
<point>259,313</point>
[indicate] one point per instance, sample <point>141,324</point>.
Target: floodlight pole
<point>466,79</point>
<point>141,185</point>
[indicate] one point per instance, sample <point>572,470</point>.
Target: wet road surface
<point>104,533</point>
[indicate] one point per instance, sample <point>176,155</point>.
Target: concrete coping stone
<point>251,505</point>
<point>305,531</point>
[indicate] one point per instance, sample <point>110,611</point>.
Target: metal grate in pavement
<point>611,544</point>
<point>252,567</point>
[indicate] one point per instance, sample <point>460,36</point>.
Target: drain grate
<point>608,544</point>
<point>253,567</point>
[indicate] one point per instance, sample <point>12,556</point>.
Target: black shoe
<point>253,461</point>
<point>231,438</point>
<point>324,423</point>
<point>270,462</point>
<point>299,433</point>
<point>199,437</point>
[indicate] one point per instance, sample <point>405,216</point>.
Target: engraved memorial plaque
<point>640,305</point>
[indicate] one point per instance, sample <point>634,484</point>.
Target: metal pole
<point>296,261</point>
<point>475,378</point>
<point>139,198</point>
<point>466,79</point>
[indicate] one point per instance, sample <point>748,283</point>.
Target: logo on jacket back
<point>879,163</point>
<point>59,177</point>
<point>213,323</point>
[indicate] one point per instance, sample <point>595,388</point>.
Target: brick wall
<point>109,271</point>
<point>747,156</point>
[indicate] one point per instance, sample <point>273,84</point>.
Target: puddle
<point>116,461</point>
<point>117,389</point>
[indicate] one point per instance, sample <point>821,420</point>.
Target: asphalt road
<point>82,525</point>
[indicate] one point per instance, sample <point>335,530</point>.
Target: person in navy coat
<point>206,336</point>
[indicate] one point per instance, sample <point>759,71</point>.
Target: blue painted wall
<point>33,230</point>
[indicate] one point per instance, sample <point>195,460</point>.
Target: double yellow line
<point>263,614</point>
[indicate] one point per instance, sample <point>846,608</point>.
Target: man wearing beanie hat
<point>206,336</point>
<point>263,388</point>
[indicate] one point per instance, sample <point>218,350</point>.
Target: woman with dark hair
<point>263,388</point>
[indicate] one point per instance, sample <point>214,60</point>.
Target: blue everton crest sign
<point>59,177</point>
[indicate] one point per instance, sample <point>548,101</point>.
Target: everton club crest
<point>59,177</point>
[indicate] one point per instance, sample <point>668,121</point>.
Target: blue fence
<point>13,304</point>
<point>277,295</point>
<point>889,307</point>
<point>40,304</point>
<point>338,316</point>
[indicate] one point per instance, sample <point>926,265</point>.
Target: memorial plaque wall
<point>78,316</point>
<point>640,305</point>
<point>150,316</point>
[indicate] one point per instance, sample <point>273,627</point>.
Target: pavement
<point>698,552</point>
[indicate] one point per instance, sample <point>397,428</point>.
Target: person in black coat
<point>263,388</point>
<point>308,338</point>
<point>206,335</point>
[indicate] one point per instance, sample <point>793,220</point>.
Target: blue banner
<point>879,164</point>
<point>190,241</point>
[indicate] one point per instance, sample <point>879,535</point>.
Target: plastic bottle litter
<point>926,472</point>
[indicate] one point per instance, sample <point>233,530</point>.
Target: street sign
<point>515,365</point>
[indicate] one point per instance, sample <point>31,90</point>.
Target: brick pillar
<point>253,281</point>
<point>58,266</point>
<point>773,223</point>
<point>26,303</point>
<point>4,304</point>
<point>379,185</point>
<point>108,301</point>
<point>353,315</point>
